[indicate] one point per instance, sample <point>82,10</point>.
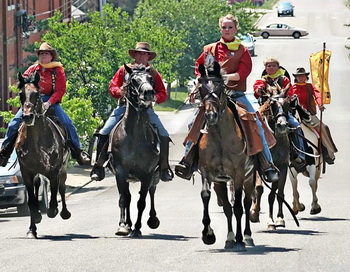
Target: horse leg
<point>124,206</point>
<point>141,204</point>
<point>271,199</point>
<point>280,197</point>
<point>256,206</point>
<point>208,236</point>
<point>153,221</point>
<point>35,216</point>
<point>313,182</point>
<point>248,191</point>
<point>238,211</point>
<point>221,191</point>
<point>65,214</point>
<point>53,210</point>
<point>297,206</point>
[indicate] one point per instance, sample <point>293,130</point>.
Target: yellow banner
<point>318,76</point>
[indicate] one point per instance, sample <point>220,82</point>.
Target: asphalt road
<point>86,242</point>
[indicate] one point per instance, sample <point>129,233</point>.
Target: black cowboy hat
<point>142,47</point>
<point>301,71</point>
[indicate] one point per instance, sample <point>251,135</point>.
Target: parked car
<point>285,8</point>
<point>249,42</point>
<point>281,30</point>
<point>14,192</point>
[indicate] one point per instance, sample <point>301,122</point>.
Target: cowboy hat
<point>301,71</point>
<point>142,47</point>
<point>46,47</point>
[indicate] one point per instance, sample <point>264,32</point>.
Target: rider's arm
<point>115,86</point>
<point>161,94</point>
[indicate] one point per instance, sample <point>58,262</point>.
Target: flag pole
<point>322,91</point>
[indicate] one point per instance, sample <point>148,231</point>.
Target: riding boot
<point>189,163</point>
<point>166,174</point>
<point>98,171</point>
<point>6,152</point>
<point>328,155</point>
<point>267,170</point>
<point>79,155</point>
<point>297,158</point>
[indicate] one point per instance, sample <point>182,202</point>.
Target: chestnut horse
<point>134,150</point>
<point>41,148</point>
<point>223,160</point>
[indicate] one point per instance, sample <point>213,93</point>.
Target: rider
<point>276,77</point>
<point>236,63</point>
<point>52,87</point>
<point>308,97</point>
<point>142,54</point>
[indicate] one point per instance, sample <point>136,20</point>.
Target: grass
<point>176,100</point>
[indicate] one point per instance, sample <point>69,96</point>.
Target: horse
<point>223,161</point>
<point>41,148</point>
<point>275,110</point>
<point>134,150</point>
<point>314,161</point>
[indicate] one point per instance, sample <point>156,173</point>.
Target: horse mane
<point>264,107</point>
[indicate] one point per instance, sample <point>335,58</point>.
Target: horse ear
<point>202,70</point>
<point>127,69</point>
<point>217,69</point>
<point>36,78</point>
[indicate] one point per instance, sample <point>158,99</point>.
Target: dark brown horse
<point>41,148</point>
<point>275,112</point>
<point>135,152</point>
<point>223,160</point>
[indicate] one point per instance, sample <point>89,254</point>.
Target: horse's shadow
<point>68,237</point>
<point>256,250</point>
<point>323,219</point>
<point>288,231</point>
<point>164,237</point>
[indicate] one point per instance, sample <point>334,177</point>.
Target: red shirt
<point>45,82</point>
<point>244,65</point>
<point>301,91</point>
<point>118,80</point>
<point>260,84</point>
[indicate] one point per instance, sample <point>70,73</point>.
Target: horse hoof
<point>136,234</point>
<point>280,223</point>
<point>52,212</point>
<point>271,227</point>
<point>254,216</point>
<point>123,231</point>
<point>32,235</point>
<point>229,244</point>
<point>239,247</point>
<point>315,210</point>
<point>153,222</point>
<point>65,214</point>
<point>302,207</point>
<point>208,239</point>
<point>248,240</point>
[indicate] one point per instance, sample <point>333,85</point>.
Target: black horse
<point>134,150</point>
<point>275,112</point>
<point>42,149</point>
<point>223,160</point>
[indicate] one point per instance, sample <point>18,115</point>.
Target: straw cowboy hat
<point>142,47</point>
<point>301,71</point>
<point>46,47</point>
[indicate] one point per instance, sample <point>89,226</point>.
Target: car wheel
<point>44,203</point>
<point>278,14</point>
<point>296,35</point>
<point>253,53</point>
<point>265,35</point>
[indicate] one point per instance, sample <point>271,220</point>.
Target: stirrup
<point>166,174</point>
<point>184,170</point>
<point>97,173</point>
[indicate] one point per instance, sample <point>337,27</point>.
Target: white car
<point>249,42</point>
<point>281,30</point>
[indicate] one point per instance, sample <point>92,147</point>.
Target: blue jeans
<point>61,115</point>
<point>115,117</point>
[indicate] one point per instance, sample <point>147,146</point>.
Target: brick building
<point>17,30</point>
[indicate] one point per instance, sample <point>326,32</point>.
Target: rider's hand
<point>321,107</point>
<point>46,105</point>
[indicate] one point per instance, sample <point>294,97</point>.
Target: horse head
<point>140,91</point>
<point>30,97</point>
<point>279,114</point>
<point>211,86</point>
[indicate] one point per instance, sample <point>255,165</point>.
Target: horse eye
<point>126,77</point>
